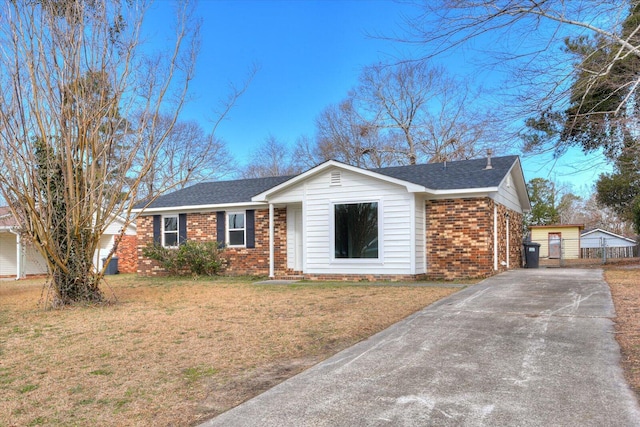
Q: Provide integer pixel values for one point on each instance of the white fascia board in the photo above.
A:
(264, 196)
(199, 208)
(462, 192)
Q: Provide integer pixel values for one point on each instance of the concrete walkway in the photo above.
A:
(525, 348)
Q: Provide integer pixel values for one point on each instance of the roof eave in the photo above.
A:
(196, 208)
(462, 191)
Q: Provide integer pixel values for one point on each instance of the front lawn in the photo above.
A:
(177, 351)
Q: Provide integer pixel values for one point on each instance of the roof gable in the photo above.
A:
(332, 164)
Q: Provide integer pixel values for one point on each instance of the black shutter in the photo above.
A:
(220, 228)
(251, 229)
(157, 230)
(182, 228)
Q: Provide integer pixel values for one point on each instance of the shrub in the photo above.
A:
(197, 258)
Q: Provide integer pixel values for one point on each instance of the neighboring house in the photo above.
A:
(336, 221)
(17, 258)
(599, 243)
(20, 259)
(557, 241)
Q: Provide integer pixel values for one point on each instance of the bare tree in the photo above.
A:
(560, 54)
(74, 76)
(271, 158)
(186, 155)
(343, 134)
(425, 114)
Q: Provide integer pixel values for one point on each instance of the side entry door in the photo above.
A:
(555, 245)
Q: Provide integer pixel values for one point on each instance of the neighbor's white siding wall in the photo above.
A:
(34, 264)
(8, 256)
(106, 243)
(395, 222)
(592, 240)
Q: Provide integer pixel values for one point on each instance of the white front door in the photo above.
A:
(294, 237)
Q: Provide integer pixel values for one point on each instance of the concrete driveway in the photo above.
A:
(524, 348)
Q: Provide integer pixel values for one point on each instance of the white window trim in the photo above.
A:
(177, 232)
(332, 236)
(229, 229)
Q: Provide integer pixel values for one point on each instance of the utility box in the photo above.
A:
(531, 255)
(112, 268)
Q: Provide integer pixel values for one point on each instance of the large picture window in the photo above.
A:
(170, 231)
(236, 229)
(356, 230)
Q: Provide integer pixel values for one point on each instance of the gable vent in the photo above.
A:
(335, 178)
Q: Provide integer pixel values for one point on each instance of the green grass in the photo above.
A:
(191, 375)
(105, 372)
(27, 388)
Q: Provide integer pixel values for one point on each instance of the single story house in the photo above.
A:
(340, 222)
(20, 259)
(557, 241)
(598, 243)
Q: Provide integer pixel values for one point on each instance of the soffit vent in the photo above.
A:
(335, 178)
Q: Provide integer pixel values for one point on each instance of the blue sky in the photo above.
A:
(309, 55)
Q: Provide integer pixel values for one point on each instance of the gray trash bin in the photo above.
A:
(112, 268)
(531, 255)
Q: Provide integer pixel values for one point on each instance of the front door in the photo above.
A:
(555, 242)
(294, 237)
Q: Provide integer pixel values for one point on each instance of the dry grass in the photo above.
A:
(624, 282)
(176, 352)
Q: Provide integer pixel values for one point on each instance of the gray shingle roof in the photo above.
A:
(455, 176)
(217, 193)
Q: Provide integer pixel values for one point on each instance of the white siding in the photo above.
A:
(8, 255)
(34, 264)
(290, 195)
(116, 225)
(597, 238)
(106, 244)
(394, 222)
(508, 195)
(421, 237)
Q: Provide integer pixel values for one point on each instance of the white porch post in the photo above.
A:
(508, 242)
(495, 237)
(271, 242)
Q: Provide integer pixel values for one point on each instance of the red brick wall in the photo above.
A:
(460, 240)
(240, 261)
(146, 267)
(127, 254)
(459, 234)
(515, 238)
